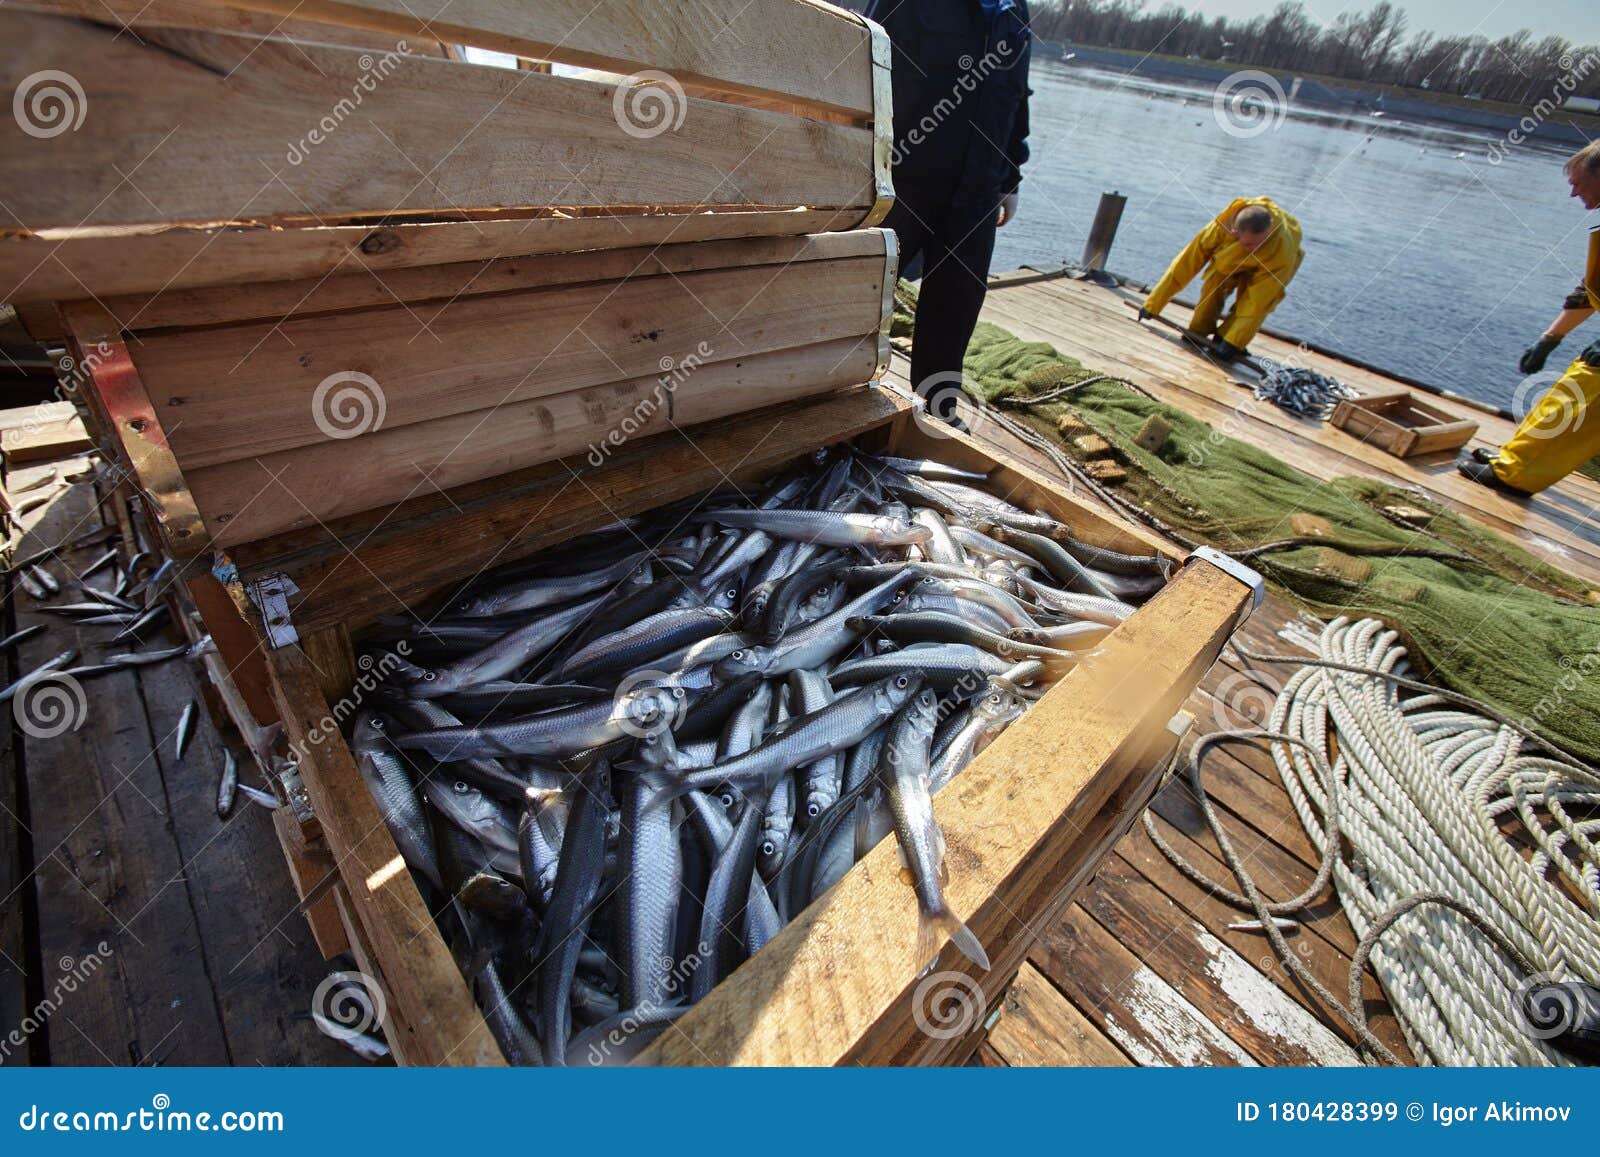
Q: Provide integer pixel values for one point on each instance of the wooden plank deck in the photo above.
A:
(1085, 321)
(110, 839)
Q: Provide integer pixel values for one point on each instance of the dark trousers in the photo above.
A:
(955, 248)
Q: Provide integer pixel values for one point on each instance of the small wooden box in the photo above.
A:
(1400, 423)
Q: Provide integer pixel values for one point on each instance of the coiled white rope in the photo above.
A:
(1409, 820)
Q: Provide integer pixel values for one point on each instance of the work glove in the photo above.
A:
(1533, 358)
(1228, 352)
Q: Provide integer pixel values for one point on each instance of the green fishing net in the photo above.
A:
(1500, 624)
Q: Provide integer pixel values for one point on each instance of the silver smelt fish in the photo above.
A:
(823, 527)
(552, 734)
(185, 729)
(394, 788)
(59, 663)
(228, 785)
(835, 728)
(514, 651)
(531, 594)
(904, 772)
(368, 1046)
(256, 796)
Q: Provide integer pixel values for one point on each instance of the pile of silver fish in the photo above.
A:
(620, 767)
(1303, 392)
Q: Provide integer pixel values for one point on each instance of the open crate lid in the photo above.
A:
(314, 291)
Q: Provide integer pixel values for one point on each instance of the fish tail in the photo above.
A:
(933, 923)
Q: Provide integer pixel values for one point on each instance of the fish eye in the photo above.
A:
(739, 654)
(901, 681)
(813, 810)
(768, 848)
(460, 788)
(376, 723)
(726, 799)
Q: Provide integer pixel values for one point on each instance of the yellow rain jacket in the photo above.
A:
(1562, 431)
(1259, 278)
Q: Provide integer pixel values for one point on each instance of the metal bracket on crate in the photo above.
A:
(882, 123)
(271, 598)
(891, 273)
(1233, 568)
(137, 428)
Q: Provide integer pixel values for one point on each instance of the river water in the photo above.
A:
(1421, 255)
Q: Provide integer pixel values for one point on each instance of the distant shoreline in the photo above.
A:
(1560, 128)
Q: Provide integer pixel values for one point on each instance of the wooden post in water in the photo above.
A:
(1107, 216)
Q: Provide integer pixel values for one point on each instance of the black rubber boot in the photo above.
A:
(1478, 465)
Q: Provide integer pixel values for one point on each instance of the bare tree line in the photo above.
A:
(1376, 46)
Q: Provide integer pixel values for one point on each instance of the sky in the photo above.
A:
(1577, 20)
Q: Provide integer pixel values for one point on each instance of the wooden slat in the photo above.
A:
(846, 965)
(1243, 1002)
(442, 1024)
(1029, 913)
(444, 284)
(212, 128)
(315, 484)
(61, 265)
(1148, 1019)
(308, 870)
(799, 52)
(44, 433)
(244, 391)
(1040, 1027)
(350, 570)
(196, 14)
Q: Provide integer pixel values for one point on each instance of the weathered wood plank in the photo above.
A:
(481, 353)
(108, 870)
(351, 571)
(58, 266)
(441, 1025)
(799, 52)
(442, 285)
(270, 129)
(1040, 1027)
(313, 485)
(1264, 1019)
(1147, 1018)
(259, 954)
(845, 966)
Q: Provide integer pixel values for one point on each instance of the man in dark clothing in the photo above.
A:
(961, 129)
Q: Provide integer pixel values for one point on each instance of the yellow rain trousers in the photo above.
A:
(1257, 279)
(1562, 431)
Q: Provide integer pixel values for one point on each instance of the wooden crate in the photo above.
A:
(1401, 423)
(510, 322)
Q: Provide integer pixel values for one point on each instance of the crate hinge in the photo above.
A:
(270, 595)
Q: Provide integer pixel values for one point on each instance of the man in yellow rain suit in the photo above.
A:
(1250, 251)
(1559, 434)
